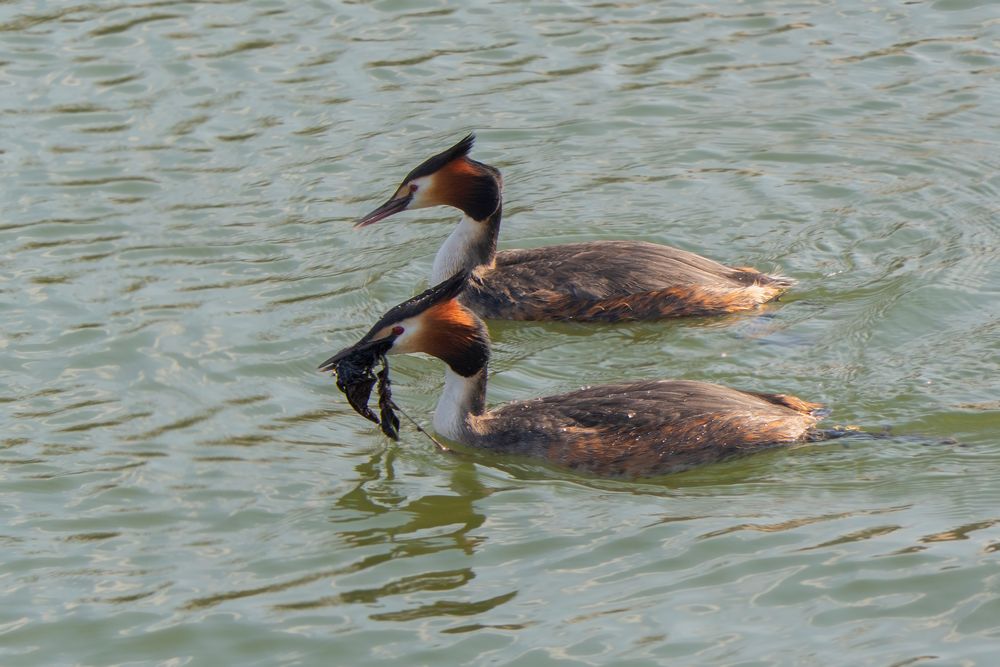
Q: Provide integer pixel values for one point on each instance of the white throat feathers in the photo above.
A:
(460, 250)
(462, 399)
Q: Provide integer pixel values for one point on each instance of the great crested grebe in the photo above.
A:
(597, 281)
(628, 429)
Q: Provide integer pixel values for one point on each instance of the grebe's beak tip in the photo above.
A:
(391, 207)
(364, 352)
(331, 363)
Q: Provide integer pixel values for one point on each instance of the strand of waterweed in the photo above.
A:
(356, 380)
(386, 406)
(390, 422)
(440, 445)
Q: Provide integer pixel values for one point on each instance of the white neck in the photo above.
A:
(457, 253)
(461, 395)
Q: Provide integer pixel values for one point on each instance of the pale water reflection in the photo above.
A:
(178, 485)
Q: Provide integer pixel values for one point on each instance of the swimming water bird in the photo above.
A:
(597, 281)
(629, 429)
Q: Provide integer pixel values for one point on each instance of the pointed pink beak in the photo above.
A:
(391, 207)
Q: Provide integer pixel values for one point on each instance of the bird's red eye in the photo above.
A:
(397, 331)
(413, 188)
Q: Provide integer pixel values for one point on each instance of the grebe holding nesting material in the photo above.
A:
(628, 429)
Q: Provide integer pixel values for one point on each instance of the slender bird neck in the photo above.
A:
(473, 243)
(462, 399)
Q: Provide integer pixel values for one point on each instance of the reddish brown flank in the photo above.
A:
(676, 446)
(793, 402)
(532, 285)
(647, 427)
(684, 301)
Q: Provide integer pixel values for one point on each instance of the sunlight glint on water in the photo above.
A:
(180, 486)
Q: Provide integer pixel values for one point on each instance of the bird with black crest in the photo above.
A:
(636, 428)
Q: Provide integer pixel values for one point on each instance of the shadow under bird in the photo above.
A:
(596, 281)
(629, 429)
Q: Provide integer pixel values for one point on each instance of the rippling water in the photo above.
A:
(179, 486)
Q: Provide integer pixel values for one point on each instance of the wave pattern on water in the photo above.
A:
(179, 485)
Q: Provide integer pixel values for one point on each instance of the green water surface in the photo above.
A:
(179, 486)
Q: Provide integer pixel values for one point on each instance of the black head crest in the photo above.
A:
(448, 289)
(353, 365)
(434, 164)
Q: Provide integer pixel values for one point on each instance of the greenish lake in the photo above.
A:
(179, 486)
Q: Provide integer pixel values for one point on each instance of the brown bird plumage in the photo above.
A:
(648, 427)
(629, 429)
(603, 281)
(636, 281)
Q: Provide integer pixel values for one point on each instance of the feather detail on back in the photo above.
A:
(635, 280)
(645, 428)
